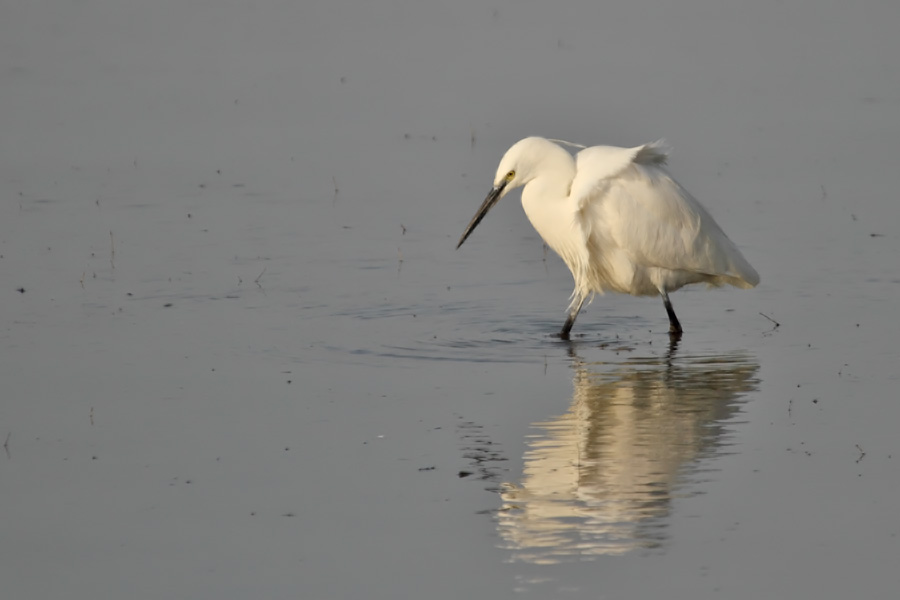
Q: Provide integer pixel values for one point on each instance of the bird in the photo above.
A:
(618, 220)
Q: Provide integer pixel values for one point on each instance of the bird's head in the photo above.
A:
(518, 167)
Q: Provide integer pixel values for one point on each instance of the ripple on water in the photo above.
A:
(464, 331)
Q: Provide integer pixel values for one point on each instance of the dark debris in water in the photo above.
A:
(483, 454)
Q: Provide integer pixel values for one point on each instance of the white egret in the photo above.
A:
(618, 220)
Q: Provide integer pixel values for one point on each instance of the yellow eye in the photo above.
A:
(510, 175)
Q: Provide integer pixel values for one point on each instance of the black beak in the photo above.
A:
(490, 201)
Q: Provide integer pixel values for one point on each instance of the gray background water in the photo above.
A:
(240, 357)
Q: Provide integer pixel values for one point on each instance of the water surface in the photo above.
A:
(241, 357)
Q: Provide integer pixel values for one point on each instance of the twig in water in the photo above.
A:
(862, 453)
(777, 324)
(6, 445)
(256, 281)
(112, 251)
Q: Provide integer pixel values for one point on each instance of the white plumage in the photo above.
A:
(618, 220)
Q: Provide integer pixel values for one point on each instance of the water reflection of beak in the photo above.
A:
(492, 198)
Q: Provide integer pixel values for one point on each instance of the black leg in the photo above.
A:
(674, 325)
(570, 320)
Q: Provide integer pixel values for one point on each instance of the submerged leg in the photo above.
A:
(674, 325)
(570, 320)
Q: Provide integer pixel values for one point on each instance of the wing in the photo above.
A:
(628, 203)
(595, 167)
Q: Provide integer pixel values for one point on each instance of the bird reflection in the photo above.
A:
(599, 479)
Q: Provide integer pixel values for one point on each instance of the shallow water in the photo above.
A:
(242, 358)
